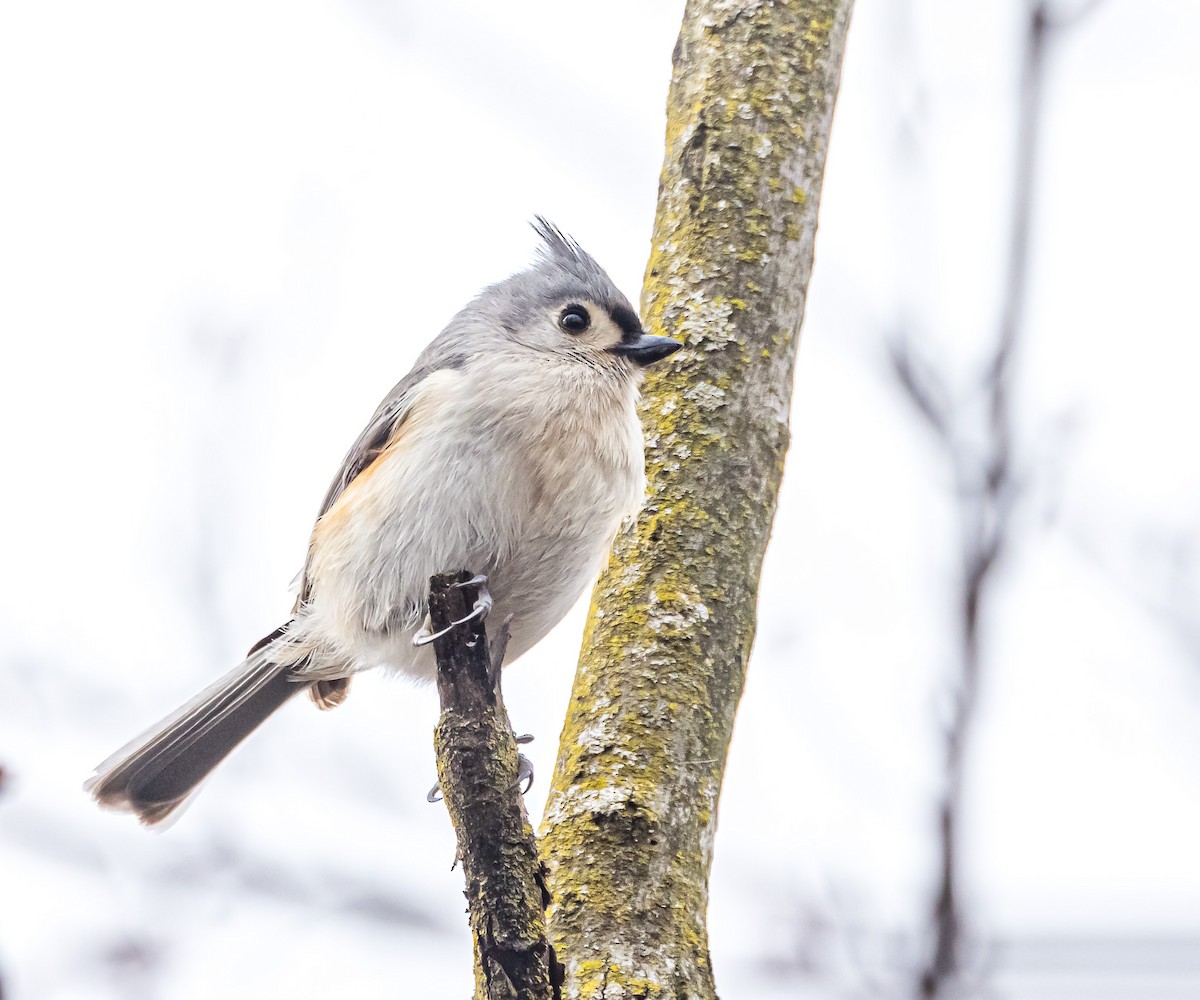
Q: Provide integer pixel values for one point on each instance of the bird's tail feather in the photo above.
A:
(154, 774)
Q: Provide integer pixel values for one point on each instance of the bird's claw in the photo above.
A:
(423, 637)
(480, 610)
(524, 771)
(483, 605)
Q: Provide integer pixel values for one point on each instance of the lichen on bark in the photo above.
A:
(629, 825)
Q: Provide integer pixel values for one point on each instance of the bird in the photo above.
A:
(513, 449)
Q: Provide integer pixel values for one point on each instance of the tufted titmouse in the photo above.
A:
(512, 449)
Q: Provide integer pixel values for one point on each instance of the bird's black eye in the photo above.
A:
(574, 319)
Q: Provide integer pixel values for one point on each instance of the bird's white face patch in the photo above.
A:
(582, 324)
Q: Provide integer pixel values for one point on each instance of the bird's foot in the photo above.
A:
(524, 771)
(524, 765)
(483, 605)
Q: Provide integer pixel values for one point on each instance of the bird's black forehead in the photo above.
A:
(627, 321)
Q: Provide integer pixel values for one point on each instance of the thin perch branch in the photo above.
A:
(478, 771)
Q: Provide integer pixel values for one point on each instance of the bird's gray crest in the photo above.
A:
(559, 248)
(562, 252)
(561, 257)
(562, 272)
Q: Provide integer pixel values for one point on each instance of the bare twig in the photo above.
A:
(478, 772)
(988, 488)
(923, 388)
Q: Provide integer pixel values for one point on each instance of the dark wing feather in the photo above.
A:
(376, 435)
(373, 439)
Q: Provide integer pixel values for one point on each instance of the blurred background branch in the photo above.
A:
(975, 431)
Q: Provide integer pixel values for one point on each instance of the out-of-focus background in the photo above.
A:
(226, 229)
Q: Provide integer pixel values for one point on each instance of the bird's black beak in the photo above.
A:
(646, 349)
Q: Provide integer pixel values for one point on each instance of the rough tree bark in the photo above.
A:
(629, 826)
(478, 774)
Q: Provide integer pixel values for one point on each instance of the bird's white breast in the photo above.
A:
(521, 471)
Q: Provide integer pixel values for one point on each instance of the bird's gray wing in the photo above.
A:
(375, 436)
(379, 431)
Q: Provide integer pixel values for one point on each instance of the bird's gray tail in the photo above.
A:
(152, 776)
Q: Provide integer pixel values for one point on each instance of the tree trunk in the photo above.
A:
(629, 826)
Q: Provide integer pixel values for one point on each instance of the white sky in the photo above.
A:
(226, 229)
